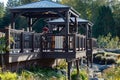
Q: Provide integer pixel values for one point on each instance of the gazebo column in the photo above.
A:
(89, 45)
(30, 23)
(13, 21)
(67, 30)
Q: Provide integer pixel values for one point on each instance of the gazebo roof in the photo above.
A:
(61, 21)
(42, 9)
(41, 4)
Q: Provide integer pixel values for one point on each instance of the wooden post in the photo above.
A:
(13, 20)
(76, 24)
(41, 44)
(7, 36)
(22, 42)
(89, 44)
(78, 43)
(30, 23)
(69, 70)
(67, 30)
(77, 66)
(33, 38)
(74, 44)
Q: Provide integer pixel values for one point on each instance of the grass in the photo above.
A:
(33, 74)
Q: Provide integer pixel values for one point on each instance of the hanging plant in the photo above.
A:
(3, 47)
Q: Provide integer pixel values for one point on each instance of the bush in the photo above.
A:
(108, 42)
(103, 58)
(82, 76)
(97, 58)
(110, 60)
(8, 75)
(112, 73)
(47, 74)
(62, 64)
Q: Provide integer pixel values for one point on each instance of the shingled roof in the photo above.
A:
(41, 4)
(42, 8)
(61, 21)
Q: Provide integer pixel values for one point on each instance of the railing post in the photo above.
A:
(41, 46)
(22, 42)
(78, 43)
(74, 44)
(33, 38)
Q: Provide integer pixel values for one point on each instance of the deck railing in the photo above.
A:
(25, 42)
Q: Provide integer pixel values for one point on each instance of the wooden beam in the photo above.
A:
(73, 13)
(60, 55)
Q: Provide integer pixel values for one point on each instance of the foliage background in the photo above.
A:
(104, 14)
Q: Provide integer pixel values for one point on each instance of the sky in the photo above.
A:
(5, 1)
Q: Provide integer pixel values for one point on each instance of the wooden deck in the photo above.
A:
(31, 46)
(37, 55)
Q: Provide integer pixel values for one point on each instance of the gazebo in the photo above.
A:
(71, 41)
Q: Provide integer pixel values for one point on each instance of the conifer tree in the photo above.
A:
(105, 23)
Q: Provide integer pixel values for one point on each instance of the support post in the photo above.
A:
(30, 23)
(89, 44)
(67, 31)
(13, 21)
(69, 70)
(77, 66)
(7, 36)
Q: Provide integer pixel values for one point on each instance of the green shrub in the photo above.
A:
(82, 76)
(8, 76)
(108, 42)
(98, 58)
(47, 74)
(62, 64)
(110, 60)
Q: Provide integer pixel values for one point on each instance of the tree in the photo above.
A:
(12, 3)
(116, 14)
(105, 22)
(1, 10)
(27, 1)
(1, 13)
